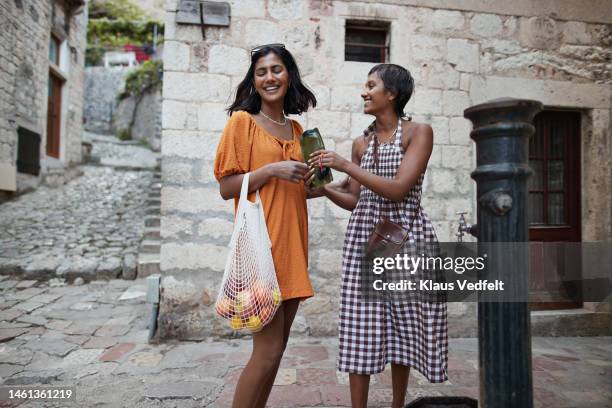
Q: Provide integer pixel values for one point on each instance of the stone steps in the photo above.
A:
(150, 246)
(152, 221)
(148, 264)
(153, 210)
(151, 233)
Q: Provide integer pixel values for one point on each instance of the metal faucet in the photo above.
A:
(464, 227)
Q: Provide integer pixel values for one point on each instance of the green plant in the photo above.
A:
(144, 143)
(143, 79)
(114, 9)
(115, 23)
(125, 134)
(93, 56)
(116, 33)
(146, 78)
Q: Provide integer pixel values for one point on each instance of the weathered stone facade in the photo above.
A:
(459, 57)
(24, 76)
(102, 85)
(105, 114)
(147, 118)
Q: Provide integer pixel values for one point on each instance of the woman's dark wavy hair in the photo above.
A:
(298, 98)
(398, 81)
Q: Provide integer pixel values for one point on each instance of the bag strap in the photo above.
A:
(397, 137)
(244, 193)
(398, 134)
(243, 201)
(262, 220)
(244, 190)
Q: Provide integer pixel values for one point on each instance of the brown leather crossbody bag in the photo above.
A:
(387, 239)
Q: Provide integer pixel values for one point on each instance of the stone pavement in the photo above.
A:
(108, 150)
(94, 337)
(87, 228)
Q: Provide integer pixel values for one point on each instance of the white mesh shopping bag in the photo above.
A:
(249, 294)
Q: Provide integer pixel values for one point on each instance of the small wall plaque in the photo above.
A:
(215, 13)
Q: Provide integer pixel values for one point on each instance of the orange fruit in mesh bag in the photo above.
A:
(265, 314)
(225, 307)
(245, 304)
(261, 293)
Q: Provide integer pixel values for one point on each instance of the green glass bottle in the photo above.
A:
(312, 141)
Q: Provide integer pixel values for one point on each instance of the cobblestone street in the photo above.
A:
(88, 228)
(94, 337)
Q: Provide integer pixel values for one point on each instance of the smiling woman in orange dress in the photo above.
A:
(259, 139)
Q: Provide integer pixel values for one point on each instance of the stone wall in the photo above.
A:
(147, 119)
(24, 72)
(76, 86)
(105, 114)
(102, 85)
(458, 58)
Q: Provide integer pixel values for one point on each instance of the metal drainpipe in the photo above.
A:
(502, 128)
(153, 284)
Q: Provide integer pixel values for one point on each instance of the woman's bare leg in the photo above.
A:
(290, 309)
(399, 381)
(360, 385)
(268, 345)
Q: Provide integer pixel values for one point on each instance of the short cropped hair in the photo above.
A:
(398, 81)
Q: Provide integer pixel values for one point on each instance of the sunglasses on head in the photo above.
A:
(261, 47)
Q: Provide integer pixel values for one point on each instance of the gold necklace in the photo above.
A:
(272, 120)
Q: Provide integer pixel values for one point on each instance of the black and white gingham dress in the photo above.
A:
(373, 334)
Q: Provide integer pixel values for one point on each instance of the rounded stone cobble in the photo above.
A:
(82, 228)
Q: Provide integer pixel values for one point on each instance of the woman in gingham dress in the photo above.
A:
(372, 334)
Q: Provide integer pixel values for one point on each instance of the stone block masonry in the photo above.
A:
(102, 87)
(24, 75)
(458, 56)
(105, 114)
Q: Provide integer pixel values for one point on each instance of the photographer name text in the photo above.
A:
(430, 285)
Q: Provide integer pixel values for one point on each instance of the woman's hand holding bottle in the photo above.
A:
(290, 170)
(328, 158)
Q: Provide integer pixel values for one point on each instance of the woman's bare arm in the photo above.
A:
(348, 196)
(413, 165)
(294, 171)
(343, 198)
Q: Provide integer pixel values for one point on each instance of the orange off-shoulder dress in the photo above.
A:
(244, 147)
